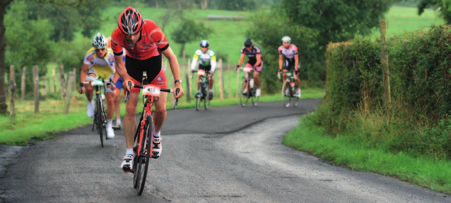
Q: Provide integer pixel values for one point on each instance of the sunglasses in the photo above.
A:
(204, 47)
(100, 49)
(286, 42)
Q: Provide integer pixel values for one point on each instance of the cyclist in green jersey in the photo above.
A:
(206, 60)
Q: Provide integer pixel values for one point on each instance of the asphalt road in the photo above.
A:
(226, 154)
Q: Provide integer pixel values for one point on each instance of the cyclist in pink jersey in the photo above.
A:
(289, 59)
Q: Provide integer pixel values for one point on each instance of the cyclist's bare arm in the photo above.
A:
(280, 62)
(121, 71)
(296, 62)
(241, 60)
(175, 69)
(83, 72)
(259, 60)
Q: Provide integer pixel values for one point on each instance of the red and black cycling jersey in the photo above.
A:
(252, 54)
(151, 42)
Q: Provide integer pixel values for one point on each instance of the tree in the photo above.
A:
(78, 6)
(30, 46)
(443, 5)
(336, 20)
(189, 30)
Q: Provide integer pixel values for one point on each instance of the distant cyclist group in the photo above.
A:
(135, 47)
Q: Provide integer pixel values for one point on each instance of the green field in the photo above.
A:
(403, 19)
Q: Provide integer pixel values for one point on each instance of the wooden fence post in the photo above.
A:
(36, 88)
(221, 80)
(47, 85)
(75, 80)
(229, 80)
(384, 62)
(70, 83)
(12, 87)
(54, 81)
(44, 79)
(24, 78)
(62, 83)
(188, 88)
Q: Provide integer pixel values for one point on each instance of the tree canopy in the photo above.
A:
(189, 30)
(443, 5)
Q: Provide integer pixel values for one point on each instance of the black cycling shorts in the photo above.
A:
(205, 68)
(288, 64)
(136, 67)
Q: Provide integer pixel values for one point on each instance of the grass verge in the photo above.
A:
(30, 128)
(424, 171)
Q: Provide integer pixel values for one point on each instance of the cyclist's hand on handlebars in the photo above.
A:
(178, 85)
(278, 74)
(237, 66)
(81, 90)
(127, 83)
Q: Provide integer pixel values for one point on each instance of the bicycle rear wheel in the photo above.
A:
(99, 119)
(286, 99)
(144, 156)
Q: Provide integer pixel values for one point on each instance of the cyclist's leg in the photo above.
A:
(257, 71)
(89, 92)
(159, 114)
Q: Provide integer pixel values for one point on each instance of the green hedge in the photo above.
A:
(417, 121)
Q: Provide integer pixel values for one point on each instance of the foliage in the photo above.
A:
(336, 20)
(444, 5)
(189, 30)
(236, 4)
(72, 53)
(69, 16)
(417, 121)
(28, 42)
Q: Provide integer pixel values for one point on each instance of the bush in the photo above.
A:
(417, 121)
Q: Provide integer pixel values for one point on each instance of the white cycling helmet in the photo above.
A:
(286, 39)
(99, 41)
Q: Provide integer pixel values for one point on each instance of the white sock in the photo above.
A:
(109, 122)
(129, 151)
(118, 121)
(156, 134)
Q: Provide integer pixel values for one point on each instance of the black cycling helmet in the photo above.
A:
(248, 42)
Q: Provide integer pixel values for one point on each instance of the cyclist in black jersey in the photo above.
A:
(254, 61)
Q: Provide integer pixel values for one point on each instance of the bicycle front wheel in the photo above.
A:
(286, 99)
(99, 119)
(244, 97)
(207, 100)
(144, 156)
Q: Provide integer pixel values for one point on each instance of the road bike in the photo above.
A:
(288, 91)
(143, 137)
(204, 93)
(99, 120)
(248, 89)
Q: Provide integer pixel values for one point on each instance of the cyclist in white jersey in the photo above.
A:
(206, 60)
(288, 60)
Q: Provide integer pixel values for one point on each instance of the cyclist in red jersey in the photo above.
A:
(144, 42)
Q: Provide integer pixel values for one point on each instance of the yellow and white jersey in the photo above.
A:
(103, 67)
